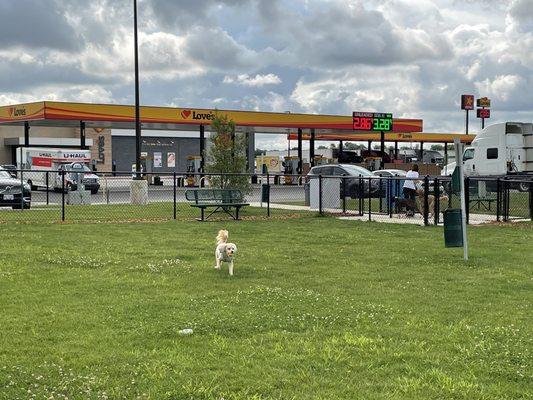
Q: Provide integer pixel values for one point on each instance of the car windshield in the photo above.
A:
(5, 174)
(468, 154)
(355, 170)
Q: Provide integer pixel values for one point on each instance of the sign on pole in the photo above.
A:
(467, 104)
(483, 102)
(484, 111)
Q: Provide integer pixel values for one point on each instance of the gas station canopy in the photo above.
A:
(61, 114)
(389, 137)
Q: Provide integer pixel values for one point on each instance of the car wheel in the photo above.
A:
(524, 186)
(94, 191)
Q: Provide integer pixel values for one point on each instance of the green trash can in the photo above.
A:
(265, 193)
(453, 228)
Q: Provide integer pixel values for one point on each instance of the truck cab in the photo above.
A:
(500, 149)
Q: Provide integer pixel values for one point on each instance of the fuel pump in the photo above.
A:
(320, 160)
(194, 165)
(290, 167)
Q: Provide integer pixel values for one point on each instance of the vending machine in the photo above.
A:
(290, 167)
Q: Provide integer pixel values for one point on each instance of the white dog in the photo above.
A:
(224, 251)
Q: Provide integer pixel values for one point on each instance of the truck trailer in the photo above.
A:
(48, 167)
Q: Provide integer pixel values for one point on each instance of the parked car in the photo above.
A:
(12, 193)
(11, 169)
(352, 184)
(390, 172)
(90, 180)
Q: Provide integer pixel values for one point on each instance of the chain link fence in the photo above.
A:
(67, 195)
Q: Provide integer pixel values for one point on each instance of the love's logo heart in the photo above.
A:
(186, 114)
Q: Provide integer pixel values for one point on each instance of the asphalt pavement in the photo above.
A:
(117, 191)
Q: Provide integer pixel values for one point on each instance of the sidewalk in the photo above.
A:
(475, 219)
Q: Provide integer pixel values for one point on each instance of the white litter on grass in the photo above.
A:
(187, 331)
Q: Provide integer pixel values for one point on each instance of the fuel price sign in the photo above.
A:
(367, 121)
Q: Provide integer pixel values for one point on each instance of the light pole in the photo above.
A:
(137, 108)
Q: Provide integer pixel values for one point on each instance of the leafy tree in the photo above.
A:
(437, 147)
(227, 154)
(352, 146)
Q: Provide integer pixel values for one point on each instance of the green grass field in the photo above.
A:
(128, 212)
(318, 309)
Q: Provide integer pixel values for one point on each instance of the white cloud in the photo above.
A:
(410, 57)
(501, 87)
(253, 81)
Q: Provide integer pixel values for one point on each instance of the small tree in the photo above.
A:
(227, 154)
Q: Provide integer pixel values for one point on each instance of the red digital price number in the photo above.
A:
(363, 123)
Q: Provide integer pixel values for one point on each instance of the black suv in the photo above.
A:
(357, 182)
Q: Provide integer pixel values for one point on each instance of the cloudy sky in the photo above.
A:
(410, 57)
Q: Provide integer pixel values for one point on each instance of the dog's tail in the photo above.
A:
(222, 236)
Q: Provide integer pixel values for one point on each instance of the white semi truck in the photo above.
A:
(41, 167)
(503, 149)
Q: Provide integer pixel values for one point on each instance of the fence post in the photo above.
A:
(62, 196)
(389, 196)
(467, 199)
(426, 200)
(504, 202)
(343, 195)
(531, 200)
(268, 199)
(361, 196)
(369, 199)
(380, 195)
(22, 190)
(47, 188)
(436, 201)
(498, 199)
(320, 194)
(507, 200)
(174, 181)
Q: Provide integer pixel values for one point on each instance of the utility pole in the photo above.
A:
(137, 107)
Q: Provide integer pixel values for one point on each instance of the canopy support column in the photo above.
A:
(300, 159)
(82, 136)
(202, 147)
(382, 147)
(312, 148)
(26, 134)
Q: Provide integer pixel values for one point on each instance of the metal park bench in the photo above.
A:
(219, 199)
(482, 202)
